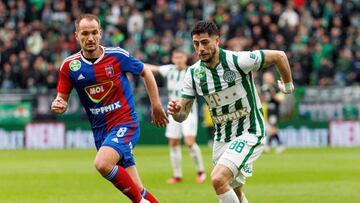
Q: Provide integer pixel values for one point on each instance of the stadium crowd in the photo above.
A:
(321, 38)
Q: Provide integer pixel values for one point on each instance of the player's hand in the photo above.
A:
(159, 116)
(59, 105)
(286, 88)
(173, 107)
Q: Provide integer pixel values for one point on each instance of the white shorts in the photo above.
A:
(188, 127)
(239, 156)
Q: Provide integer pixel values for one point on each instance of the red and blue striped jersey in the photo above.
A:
(103, 87)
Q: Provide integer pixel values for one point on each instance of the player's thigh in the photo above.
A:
(189, 126)
(123, 139)
(173, 129)
(240, 154)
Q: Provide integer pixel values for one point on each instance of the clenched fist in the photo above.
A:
(59, 105)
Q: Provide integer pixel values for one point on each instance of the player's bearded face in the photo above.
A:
(205, 46)
(88, 35)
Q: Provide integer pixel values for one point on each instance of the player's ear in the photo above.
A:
(76, 36)
(217, 39)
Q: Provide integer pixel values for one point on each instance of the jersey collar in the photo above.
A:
(99, 59)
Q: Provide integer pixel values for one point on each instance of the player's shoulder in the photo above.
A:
(243, 52)
(194, 66)
(226, 51)
(116, 51)
(69, 59)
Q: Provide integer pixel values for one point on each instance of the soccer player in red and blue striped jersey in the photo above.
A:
(98, 74)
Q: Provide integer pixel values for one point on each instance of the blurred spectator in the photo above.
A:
(354, 76)
(7, 77)
(289, 18)
(326, 73)
(343, 67)
(309, 31)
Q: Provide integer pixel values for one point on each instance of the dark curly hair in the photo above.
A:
(208, 27)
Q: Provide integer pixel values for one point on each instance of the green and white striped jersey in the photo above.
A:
(230, 93)
(174, 82)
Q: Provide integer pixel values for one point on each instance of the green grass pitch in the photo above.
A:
(68, 176)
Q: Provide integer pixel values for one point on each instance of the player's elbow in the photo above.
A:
(274, 57)
(145, 72)
(278, 56)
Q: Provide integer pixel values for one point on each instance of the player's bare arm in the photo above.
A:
(59, 105)
(280, 60)
(153, 68)
(158, 114)
(180, 111)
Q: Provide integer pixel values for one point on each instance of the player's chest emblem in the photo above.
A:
(98, 92)
(229, 76)
(109, 70)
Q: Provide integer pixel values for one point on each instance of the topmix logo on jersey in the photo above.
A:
(98, 92)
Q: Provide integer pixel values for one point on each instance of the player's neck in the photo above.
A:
(215, 60)
(93, 54)
(181, 67)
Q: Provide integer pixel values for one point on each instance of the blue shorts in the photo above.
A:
(123, 139)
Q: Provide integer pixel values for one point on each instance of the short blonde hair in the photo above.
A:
(86, 16)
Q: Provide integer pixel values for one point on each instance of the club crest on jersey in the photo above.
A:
(109, 70)
(75, 65)
(229, 76)
(199, 73)
(98, 92)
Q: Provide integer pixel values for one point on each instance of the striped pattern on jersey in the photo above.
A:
(174, 80)
(232, 73)
(103, 87)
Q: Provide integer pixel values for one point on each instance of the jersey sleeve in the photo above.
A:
(164, 70)
(131, 64)
(187, 90)
(64, 85)
(250, 60)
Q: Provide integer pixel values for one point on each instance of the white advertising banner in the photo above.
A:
(344, 133)
(304, 137)
(49, 135)
(80, 139)
(11, 139)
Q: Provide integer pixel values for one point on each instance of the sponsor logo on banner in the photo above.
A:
(11, 139)
(304, 136)
(345, 133)
(99, 91)
(16, 113)
(45, 135)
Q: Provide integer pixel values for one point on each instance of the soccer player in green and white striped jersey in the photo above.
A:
(174, 74)
(224, 78)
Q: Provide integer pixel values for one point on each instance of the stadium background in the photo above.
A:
(321, 39)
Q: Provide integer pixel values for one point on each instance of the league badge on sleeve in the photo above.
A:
(109, 70)
(75, 65)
